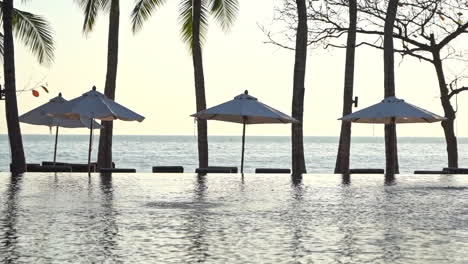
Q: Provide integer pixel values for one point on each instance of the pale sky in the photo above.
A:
(155, 76)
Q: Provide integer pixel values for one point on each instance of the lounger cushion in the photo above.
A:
(49, 169)
(367, 171)
(272, 170)
(168, 169)
(117, 170)
(456, 170)
(430, 172)
(213, 170)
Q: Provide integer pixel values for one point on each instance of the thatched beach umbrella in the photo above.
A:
(95, 105)
(39, 116)
(392, 111)
(246, 110)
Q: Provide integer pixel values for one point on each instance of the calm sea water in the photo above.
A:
(157, 218)
(143, 152)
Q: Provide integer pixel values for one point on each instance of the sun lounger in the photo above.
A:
(51, 163)
(430, 172)
(233, 169)
(456, 170)
(95, 164)
(272, 170)
(49, 169)
(366, 171)
(213, 170)
(168, 169)
(29, 166)
(117, 170)
(76, 167)
(79, 167)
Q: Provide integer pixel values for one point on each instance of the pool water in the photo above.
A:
(184, 218)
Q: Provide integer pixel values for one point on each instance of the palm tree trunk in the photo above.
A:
(298, 162)
(389, 86)
(449, 112)
(18, 160)
(105, 138)
(342, 159)
(199, 85)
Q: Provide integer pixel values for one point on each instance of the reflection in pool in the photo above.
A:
(149, 218)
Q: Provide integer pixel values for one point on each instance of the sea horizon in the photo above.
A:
(229, 135)
(142, 152)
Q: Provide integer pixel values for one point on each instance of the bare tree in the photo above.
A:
(298, 162)
(344, 146)
(389, 87)
(426, 30)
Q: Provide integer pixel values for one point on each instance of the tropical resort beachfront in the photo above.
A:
(227, 131)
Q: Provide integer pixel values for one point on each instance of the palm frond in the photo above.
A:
(90, 9)
(142, 12)
(224, 12)
(35, 32)
(186, 21)
(106, 4)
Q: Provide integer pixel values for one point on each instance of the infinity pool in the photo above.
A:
(149, 218)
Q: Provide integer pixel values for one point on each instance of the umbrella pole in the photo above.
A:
(90, 145)
(243, 147)
(55, 147)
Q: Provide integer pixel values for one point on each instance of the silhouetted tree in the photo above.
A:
(35, 33)
(425, 30)
(193, 16)
(298, 162)
(91, 9)
(344, 146)
(389, 87)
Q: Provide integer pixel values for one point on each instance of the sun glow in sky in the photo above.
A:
(155, 76)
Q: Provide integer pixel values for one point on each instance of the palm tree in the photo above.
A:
(193, 17)
(342, 159)
(35, 33)
(91, 9)
(389, 86)
(298, 162)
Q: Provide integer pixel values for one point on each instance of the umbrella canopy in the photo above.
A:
(94, 104)
(39, 116)
(392, 110)
(245, 109)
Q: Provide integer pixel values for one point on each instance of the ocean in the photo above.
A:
(143, 152)
(160, 218)
(186, 218)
